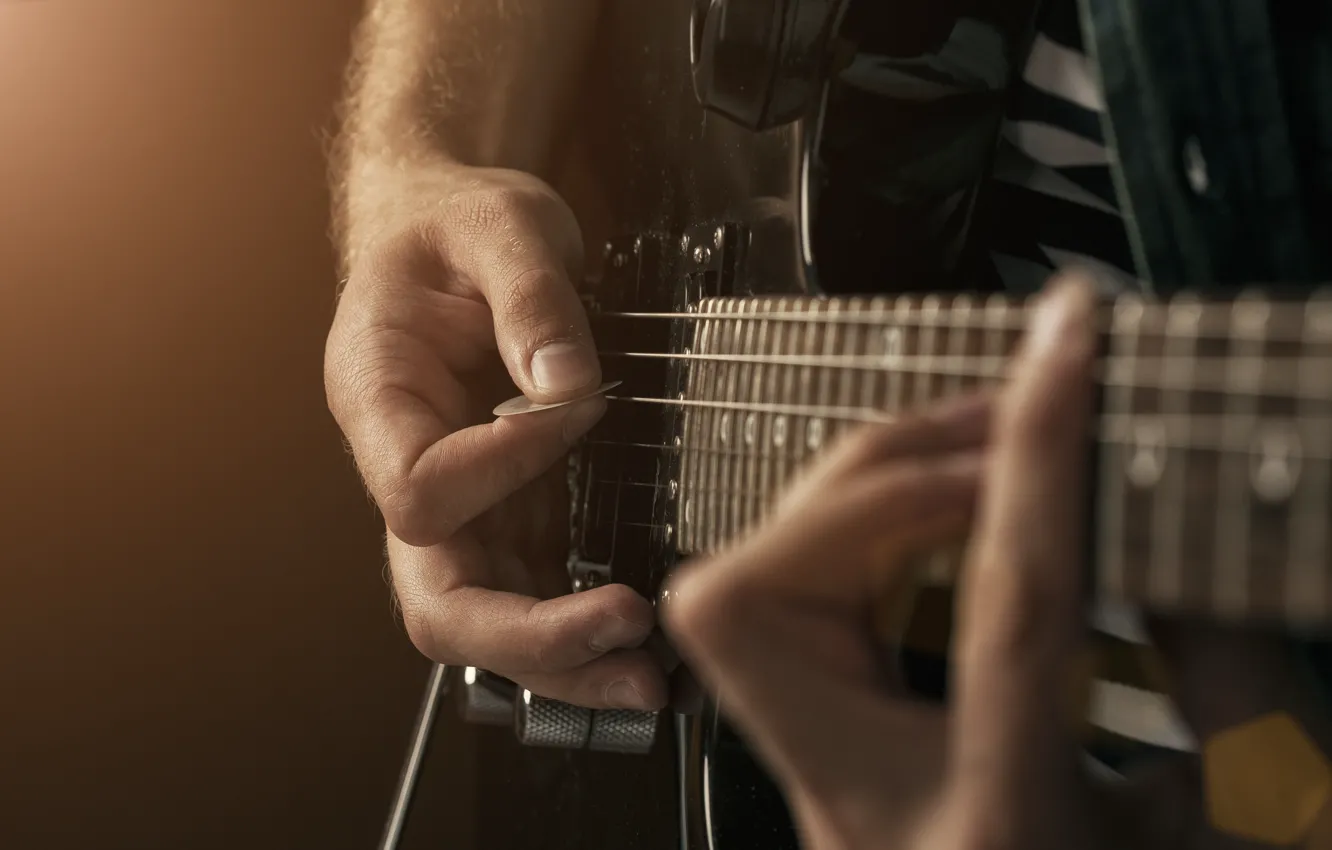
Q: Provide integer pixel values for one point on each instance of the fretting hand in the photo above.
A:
(780, 628)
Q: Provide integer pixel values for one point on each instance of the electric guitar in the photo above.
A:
(731, 302)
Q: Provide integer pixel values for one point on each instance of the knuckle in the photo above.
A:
(540, 642)
(419, 624)
(350, 370)
(496, 207)
(526, 302)
(621, 600)
(409, 513)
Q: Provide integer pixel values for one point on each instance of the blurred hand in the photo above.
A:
(780, 628)
(464, 292)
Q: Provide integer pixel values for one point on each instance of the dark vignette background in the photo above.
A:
(196, 647)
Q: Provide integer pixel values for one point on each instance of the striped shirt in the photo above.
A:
(1050, 203)
(1053, 196)
(1054, 205)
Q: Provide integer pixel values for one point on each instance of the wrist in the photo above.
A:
(373, 192)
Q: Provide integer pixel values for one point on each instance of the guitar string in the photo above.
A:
(940, 364)
(1279, 375)
(1110, 428)
(1203, 324)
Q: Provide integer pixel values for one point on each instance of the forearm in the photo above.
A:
(437, 83)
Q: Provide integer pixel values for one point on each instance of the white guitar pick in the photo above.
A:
(522, 404)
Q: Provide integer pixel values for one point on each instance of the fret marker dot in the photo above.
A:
(751, 429)
(724, 428)
(689, 510)
(814, 434)
(779, 431)
(1149, 454)
(1275, 471)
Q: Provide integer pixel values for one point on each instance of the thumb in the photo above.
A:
(525, 268)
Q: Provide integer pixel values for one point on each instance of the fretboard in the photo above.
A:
(1215, 430)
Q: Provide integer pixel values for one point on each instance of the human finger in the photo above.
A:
(428, 482)
(1020, 604)
(520, 247)
(958, 425)
(881, 492)
(756, 618)
(410, 421)
(453, 619)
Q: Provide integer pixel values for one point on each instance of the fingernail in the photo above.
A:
(582, 416)
(623, 694)
(563, 367)
(1059, 314)
(616, 633)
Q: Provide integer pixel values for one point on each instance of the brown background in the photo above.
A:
(196, 646)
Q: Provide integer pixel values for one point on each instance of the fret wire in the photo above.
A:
(850, 383)
(808, 337)
(1165, 583)
(776, 378)
(1280, 378)
(923, 391)
(749, 431)
(781, 424)
(1307, 593)
(1249, 319)
(739, 387)
(898, 377)
(716, 379)
(689, 507)
(869, 378)
(958, 338)
(708, 529)
(1112, 428)
(693, 508)
(817, 430)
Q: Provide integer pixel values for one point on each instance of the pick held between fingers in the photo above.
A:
(525, 269)
(460, 475)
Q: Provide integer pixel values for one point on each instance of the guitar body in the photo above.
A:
(679, 204)
(646, 160)
(721, 260)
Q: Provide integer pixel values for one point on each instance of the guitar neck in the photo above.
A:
(1213, 440)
